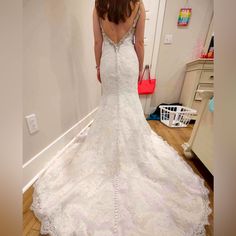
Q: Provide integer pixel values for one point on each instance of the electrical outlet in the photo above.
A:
(168, 39)
(32, 123)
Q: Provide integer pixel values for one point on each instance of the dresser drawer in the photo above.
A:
(203, 86)
(207, 77)
(196, 106)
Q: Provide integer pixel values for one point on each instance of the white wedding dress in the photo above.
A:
(121, 178)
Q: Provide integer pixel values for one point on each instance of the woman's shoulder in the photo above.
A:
(136, 4)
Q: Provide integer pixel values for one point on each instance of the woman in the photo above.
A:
(118, 29)
(122, 179)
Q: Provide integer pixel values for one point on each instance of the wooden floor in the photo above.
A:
(175, 137)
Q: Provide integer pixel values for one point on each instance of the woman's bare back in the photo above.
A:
(116, 32)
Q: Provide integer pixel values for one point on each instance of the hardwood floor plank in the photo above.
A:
(33, 233)
(29, 224)
(36, 226)
(27, 203)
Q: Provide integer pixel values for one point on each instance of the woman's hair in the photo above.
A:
(116, 10)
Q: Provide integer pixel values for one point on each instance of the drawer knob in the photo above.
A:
(212, 77)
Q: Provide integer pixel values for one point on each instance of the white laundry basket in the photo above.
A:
(176, 116)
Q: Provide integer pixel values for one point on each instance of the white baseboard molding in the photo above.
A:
(36, 165)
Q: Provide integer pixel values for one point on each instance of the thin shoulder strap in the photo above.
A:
(100, 23)
(137, 14)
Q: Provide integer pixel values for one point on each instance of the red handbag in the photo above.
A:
(146, 86)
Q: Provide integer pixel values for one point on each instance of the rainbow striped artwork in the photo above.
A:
(184, 16)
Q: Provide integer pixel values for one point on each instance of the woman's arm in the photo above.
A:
(98, 39)
(139, 37)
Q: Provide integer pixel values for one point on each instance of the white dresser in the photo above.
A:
(199, 75)
(201, 140)
(198, 88)
(202, 144)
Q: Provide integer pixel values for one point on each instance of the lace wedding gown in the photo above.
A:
(121, 179)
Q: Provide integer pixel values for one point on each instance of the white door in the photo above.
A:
(154, 18)
(151, 7)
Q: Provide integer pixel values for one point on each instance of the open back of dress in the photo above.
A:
(123, 28)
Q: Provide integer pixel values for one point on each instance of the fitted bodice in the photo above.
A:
(119, 63)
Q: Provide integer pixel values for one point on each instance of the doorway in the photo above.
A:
(155, 10)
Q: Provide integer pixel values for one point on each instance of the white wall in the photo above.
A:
(60, 84)
(187, 44)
